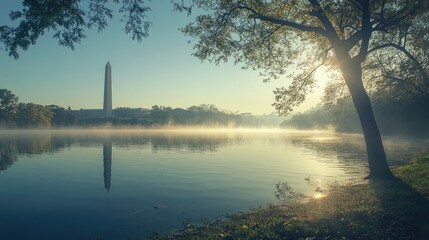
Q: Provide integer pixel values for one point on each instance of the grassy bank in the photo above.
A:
(365, 210)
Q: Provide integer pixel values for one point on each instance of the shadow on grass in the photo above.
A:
(404, 212)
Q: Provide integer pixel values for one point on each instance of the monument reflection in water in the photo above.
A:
(107, 164)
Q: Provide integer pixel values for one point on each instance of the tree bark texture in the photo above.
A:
(352, 73)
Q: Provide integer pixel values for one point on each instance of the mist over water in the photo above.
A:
(118, 183)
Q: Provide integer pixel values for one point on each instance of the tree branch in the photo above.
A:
(409, 83)
(384, 24)
(365, 33)
(320, 14)
(406, 52)
(283, 22)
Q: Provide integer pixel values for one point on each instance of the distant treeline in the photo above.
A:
(17, 114)
(393, 116)
(161, 116)
(204, 114)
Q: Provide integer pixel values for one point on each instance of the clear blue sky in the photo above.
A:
(158, 71)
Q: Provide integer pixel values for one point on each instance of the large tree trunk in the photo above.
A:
(379, 169)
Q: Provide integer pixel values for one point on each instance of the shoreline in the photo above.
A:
(397, 209)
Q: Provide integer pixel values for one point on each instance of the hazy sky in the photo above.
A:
(158, 71)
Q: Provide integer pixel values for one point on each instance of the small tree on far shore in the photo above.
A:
(8, 105)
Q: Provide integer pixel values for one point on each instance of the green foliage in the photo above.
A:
(33, 115)
(61, 116)
(394, 116)
(161, 114)
(296, 37)
(68, 19)
(397, 81)
(417, 173)
(401, 72)
(316, 118)
(201, 115)
(8, 105)
(13, 113)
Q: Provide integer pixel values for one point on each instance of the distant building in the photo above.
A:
(88, 113)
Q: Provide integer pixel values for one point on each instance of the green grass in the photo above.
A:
(367, 210)
(416, 174)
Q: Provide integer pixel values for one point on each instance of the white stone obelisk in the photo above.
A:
(107, 105)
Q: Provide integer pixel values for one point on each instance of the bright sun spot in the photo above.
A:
(319, 195)
(321, 77)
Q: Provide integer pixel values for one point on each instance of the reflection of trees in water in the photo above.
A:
(191, 142)
(349, 149)
(8, 154)
(161, 141)
(348, 152)
(165, 141)
(13, 145)
(345, 148)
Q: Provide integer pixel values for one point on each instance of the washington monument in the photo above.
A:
(107, 105)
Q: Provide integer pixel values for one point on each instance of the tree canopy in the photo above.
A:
(18, 114)
(8, 104)
(296, 37)
(68, 20)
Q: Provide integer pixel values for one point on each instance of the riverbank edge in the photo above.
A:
(397, 209)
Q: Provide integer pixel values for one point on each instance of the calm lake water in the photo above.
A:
(120, 184)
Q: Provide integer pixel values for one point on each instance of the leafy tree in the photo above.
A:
(315, 118)
(397, 80)
(394, 116)
(403, 72)
(211, 108)
(61, 116)
(68, 20)
(277, 36)
(204, 114)
(8, 104)
(33, 115)
(161, 114)
(400, 73)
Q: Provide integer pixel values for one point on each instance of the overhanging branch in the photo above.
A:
(403, 50)
(284, 22)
